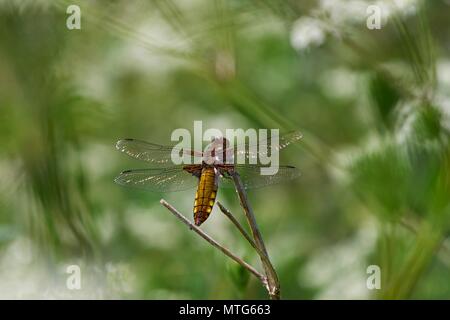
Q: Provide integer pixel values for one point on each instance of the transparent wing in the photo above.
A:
(156, 154)
(252, 178)
(158, 180)
(251, 151)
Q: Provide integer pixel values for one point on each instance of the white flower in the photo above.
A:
(307, 32)
(405, 7)
(344, 11)
(396, 7)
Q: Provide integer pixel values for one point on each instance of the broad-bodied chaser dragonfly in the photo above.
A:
(214, 167)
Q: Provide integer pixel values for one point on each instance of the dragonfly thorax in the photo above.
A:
(218, 152)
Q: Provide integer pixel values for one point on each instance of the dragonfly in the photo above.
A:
(213, 167)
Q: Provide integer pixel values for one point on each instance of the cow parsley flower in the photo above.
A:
(307, 32)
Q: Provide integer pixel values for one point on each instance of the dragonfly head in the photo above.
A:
(218, 151)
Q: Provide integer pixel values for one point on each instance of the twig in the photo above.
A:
(241, 229)
(272, 277)
(213, 242)
(262, 255)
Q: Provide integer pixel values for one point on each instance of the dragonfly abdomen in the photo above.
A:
(205, 196)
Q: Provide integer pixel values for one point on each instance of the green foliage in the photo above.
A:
(385, 97)
(239, 276)
(373, 106)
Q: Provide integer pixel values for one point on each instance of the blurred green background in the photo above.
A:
(373, 105)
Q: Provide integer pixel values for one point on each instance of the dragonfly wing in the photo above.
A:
(156, 154)
(159, 180)
(253, 150)
(252, 178)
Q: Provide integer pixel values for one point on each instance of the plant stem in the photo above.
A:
(241, 229)
(428, 241)
(213, 242)
(443, 250)
(273, 284)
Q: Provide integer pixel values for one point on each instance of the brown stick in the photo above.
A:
(213, 242)
(236, 223)
(241, 229)
(273, 284)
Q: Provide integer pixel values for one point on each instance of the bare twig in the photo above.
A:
(270, 279)
(263, 256)
(241, 229)
(273, 284)
(213, 242)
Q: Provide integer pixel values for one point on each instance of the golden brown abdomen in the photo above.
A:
(205, 195)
